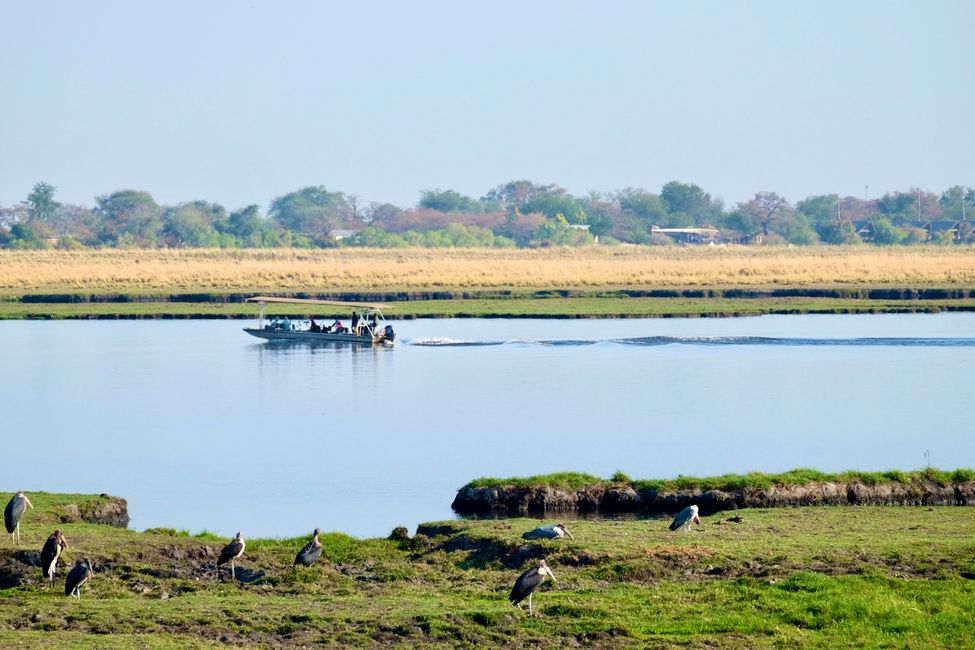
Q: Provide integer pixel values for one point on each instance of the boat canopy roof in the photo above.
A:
(308, 301)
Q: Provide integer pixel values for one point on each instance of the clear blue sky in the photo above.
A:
(240, 102)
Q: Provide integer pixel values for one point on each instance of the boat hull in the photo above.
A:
(314, 337)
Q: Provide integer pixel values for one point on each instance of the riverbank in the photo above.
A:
(572, 492)
(803, 577)
(595, 282)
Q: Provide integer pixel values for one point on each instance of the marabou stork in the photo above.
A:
(684, 518)
(528, 582)
(13, 512)
(308, 555)
(51, 552)
(79, 575)
(552, 531)
(231, 552)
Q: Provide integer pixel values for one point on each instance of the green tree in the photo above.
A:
(885, 233)
(552, 204)
(558, 232)
(645, 206)
(904, 205)
(41, 204)
(692, 201)
(448, 201)
(821, 213)
(127, 218)
(189, 225)
(24, 236)
(513, 195)
(794, 228)
(843, 232)
(958, 202)
(249, 229)
(311, 211)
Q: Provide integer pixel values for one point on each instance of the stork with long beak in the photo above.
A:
(528, 582)
(310, 553)
(51, 553)
(231, 552)
(684, 519)
(13, 512)
(552, 531)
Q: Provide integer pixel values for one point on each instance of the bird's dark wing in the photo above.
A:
(309, 554)
(76, 576)
(230, 551)
(680, 519)
(12, 513)
(526, 583)
(49, 553)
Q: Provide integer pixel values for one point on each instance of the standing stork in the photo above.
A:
(13, 512)
(552, 531)
(231, 552)
(527, 583)
(79, 575)
(684, 518)
(51, 552)
(308, 555)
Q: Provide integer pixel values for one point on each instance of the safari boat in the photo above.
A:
(367, 326)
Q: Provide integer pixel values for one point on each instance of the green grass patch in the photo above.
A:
(729, 482)
(798, 577)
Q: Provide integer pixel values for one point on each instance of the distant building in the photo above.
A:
(933, 229)
(339, 234)
(688, 235)
(864, 230)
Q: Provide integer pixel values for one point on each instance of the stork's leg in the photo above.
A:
(530, 612)
(233, 576)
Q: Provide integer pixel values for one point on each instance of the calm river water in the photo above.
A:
(201, 426)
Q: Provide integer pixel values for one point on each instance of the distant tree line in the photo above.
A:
(518, 213)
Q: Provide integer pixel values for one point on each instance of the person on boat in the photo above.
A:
(314, 326)
(286, 324)
(338, 327)
(355, 323)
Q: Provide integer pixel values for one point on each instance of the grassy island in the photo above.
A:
(809, 577)
(731, 482)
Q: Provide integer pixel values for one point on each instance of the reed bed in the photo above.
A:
(148, 271)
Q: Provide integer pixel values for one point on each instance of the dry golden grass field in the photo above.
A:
(148, 271)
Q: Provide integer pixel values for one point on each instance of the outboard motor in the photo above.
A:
(389, 334)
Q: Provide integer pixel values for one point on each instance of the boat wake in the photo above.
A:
(711, 341)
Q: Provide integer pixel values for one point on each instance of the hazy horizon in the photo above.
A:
(239, 103)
